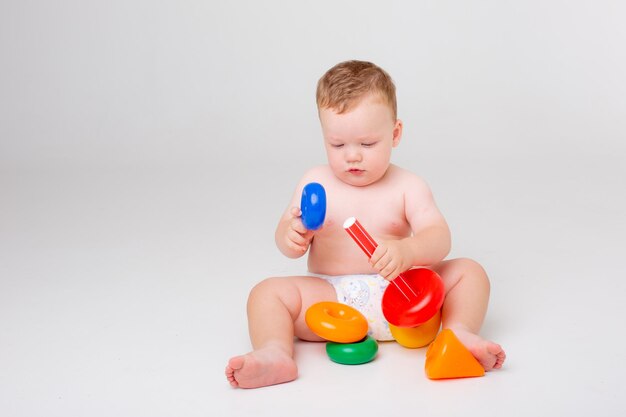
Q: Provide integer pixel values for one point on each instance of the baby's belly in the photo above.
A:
(338, 260)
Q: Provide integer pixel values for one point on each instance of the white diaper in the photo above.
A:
(364, 293)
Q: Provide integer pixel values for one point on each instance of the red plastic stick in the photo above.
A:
(369, 245)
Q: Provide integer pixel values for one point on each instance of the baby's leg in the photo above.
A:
(276, 308)
(467, 295)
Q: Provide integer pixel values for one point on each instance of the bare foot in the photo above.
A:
(260, 368)
(489, 354)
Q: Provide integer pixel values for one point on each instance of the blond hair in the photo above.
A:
(344, 85)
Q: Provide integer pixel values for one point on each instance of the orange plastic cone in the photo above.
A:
(448, 358)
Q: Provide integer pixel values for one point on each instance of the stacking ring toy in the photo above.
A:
(352, 353)
(313, 205)
(416, 300)
(336, 322)
(413, 297)
(415, 337)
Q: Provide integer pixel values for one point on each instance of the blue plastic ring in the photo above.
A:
(313, 205)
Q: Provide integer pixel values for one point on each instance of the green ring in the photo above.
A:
(352, 353)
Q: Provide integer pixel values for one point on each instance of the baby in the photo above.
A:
(358, 114)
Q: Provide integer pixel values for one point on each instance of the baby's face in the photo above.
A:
(359, 142)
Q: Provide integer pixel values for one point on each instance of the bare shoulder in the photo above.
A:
(321, 174)
(412, 183)
(419, 205)
(318, 173)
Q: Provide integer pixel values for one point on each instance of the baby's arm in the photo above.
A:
(429, 243)
(292, 237)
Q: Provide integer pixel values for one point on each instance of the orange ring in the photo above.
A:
(336, 322)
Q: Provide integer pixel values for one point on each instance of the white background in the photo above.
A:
(147, 149)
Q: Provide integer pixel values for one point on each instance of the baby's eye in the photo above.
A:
(337, 145)
(368, 144)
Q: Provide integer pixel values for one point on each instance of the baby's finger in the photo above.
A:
(385, 267)
(298, 226)
(295, 211)
(296, 247)
(381, 265)
(392, 274)
(308, 236)
(296, 238)
(378, 255)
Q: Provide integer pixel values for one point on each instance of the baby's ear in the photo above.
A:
(397, 132)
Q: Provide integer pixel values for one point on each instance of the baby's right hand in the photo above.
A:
(298, 236)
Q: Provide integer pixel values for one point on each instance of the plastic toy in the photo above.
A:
(415, 337)
(416, 301)
(336, 322)
(313, 205)
(415, 295)
(352, 353)
(446, 357)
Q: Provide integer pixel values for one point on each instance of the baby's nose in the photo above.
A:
(353, 155)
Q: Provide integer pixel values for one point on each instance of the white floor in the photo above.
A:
(123, 293)
(147, 149)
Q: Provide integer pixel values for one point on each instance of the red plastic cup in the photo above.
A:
(413, 297)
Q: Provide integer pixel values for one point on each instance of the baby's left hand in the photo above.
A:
(391, 258)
